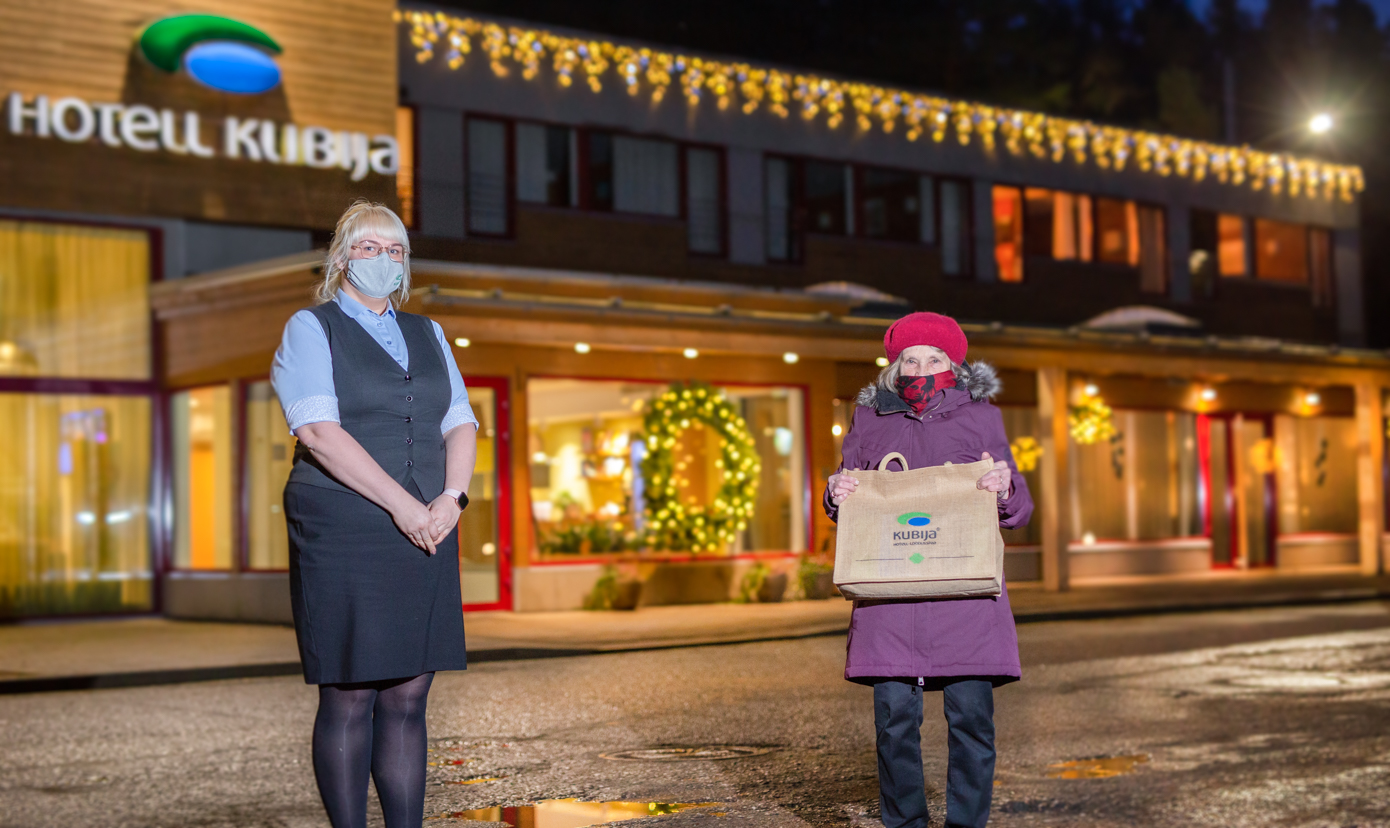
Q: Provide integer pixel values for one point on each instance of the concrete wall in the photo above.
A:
(1117, 560)
(564, 586)
(228, 596)
(1317, 551)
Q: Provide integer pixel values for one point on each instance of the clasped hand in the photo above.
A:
(427, 526)
(997, 480)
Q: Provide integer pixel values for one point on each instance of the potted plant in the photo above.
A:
(817, 579)
(614, 590)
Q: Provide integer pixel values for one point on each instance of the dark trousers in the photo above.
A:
(969, 706)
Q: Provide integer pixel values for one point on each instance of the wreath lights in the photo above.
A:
(1027, 452)
(672, 524)
(1091, 421)
(752, 87)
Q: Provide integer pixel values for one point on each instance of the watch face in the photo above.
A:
(463, 501)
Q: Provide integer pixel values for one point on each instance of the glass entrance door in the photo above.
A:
(485, 528)
(1237, 456)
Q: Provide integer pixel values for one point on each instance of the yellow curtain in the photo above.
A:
(74, 500)
(74, 301)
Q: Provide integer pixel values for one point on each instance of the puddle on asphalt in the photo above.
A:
(571, 813)
(1101, 767)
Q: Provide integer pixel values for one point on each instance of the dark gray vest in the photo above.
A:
(396, 415)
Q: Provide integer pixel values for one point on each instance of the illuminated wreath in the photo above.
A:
(671, 525)
(1091, 421)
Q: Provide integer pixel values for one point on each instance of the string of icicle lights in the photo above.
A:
(750, 88)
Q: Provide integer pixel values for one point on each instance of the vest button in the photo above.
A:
(410, 462)
(409, 440)
(407, 378)
(409, 398)
(407, 419)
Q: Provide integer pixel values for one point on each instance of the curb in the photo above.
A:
(150, 678)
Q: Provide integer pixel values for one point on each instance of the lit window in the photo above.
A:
(1008, 233)
(591, 478)
(1057, 225)
(1281, 252)
(269, 457)
(1230, 245)
(202, 442)
(1117, 232)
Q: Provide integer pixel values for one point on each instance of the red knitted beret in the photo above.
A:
(926, 329)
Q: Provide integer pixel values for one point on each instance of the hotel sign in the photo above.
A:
(251, 111)
(143, 128)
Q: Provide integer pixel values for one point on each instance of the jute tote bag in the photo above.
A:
(919, 533)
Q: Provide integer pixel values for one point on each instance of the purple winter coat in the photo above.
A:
(952, 637)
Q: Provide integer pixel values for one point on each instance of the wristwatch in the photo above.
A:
(459, 496)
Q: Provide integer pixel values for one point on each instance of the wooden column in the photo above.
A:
(1051, 500)
(1370, 485)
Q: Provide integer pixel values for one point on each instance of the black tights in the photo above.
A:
(375, 728)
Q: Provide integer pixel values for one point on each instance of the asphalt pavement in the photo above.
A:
(1243, 718)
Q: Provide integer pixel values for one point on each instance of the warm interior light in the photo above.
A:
(1312, 398)
(1208, 394)
(791, 357)
(1320, 123)
(1091, 389)
(463, 342)
(581, 348)
(690, 353)
(836, 430)
(881, 362)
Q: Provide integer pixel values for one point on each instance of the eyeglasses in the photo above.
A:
(371, 251)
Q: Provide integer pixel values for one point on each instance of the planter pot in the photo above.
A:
(626, 594)
(773, 588)
(821, 586)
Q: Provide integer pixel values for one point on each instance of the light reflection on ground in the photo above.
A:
(570, 813)
(1101, 767)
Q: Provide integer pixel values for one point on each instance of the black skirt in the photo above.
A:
(368, 604)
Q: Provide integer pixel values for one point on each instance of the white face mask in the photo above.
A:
(378, 277)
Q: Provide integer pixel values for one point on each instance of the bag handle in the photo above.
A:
(883, 464)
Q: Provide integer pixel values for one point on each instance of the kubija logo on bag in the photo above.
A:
(915, 536)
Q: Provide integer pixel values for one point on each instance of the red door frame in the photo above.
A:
(1271, 490)
(501, 389)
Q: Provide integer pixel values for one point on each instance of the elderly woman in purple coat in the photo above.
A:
(933, 407)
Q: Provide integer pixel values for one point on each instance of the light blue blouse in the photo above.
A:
(302, 373)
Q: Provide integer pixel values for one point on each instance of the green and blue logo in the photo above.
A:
(914, 519)
(218, 52)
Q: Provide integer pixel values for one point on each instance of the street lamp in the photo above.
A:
(1320, 124)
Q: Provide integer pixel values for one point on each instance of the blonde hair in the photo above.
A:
(359, 221)
(888, 377)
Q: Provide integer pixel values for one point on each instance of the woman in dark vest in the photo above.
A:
(386, 444)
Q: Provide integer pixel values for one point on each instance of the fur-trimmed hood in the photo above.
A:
(978, 378)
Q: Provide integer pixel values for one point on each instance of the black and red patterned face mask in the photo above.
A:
(917, 391)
